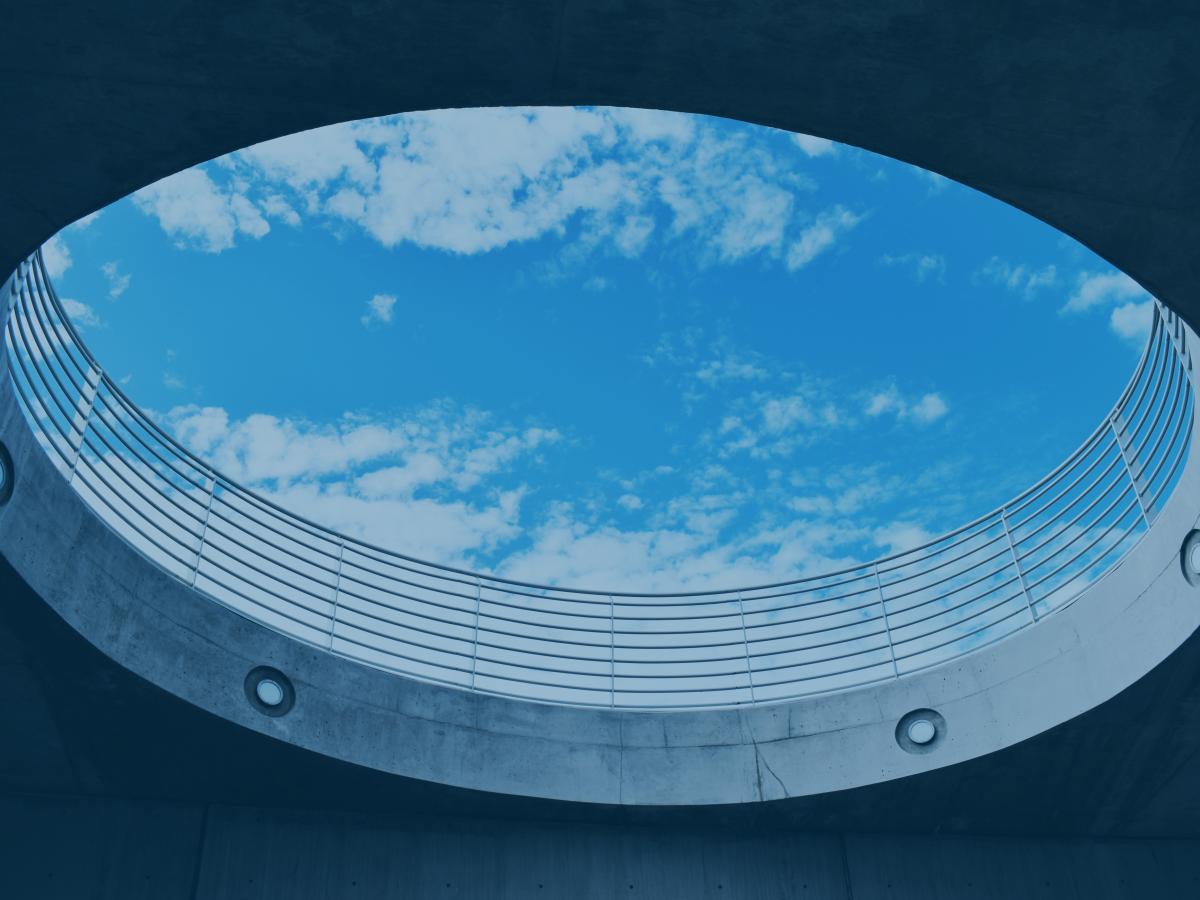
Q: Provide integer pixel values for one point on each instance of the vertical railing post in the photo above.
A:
(211, 489)
(612, 652)
(746, 644)
(887, 628)
(83, 416)
(1172, 325)
(337, 592)
(475, 636)
(1123, 450)
(1012, 548)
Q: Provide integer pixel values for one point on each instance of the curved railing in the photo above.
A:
(876, 621)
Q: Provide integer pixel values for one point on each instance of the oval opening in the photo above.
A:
(620, 349)
(701, 395)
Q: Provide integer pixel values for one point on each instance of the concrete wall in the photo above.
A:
(78, 848)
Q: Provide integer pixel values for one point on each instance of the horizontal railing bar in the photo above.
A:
(494, 579)
(394, 607)
(962, 637)
(1128, 508)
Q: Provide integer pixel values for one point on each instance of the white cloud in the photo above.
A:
(1094, 289)
(1130, 314)
(729, 368)
(118, 283)
(1023, 279)
(307, 161)
(897, 537)
(766, 425)
(645, 126)
(80, 313)
(937, 183)
(445, 483)
(921, 265)
(261, 448)
(1132, 321)
(278, 208)
(633, 234)
(191, 207)
(820, 236)
(248, 217)
(685, 551)
(472, 181)
(86, 221)
(929, 408)
(379, 310)
(814, 146)
(924, 410)
(57, 256)
(425, 484)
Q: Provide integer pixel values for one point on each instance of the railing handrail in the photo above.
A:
(333, 536)
(954, 576)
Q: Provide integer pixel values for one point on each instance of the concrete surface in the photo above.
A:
(158, 627)
(130, 850)
(1081, 113)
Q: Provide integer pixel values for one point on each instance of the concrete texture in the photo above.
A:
(128, 850)
(1083, 114)
(158, 627)
(77, 723)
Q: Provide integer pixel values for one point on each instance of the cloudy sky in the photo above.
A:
(603, 347)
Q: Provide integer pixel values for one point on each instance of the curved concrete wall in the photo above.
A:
(161, 629)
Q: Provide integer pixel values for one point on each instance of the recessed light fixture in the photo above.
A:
(270, 691)
(920, 731)
(1189, 557)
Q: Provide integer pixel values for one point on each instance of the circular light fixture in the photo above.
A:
(7, 475)
(920, 731)
(270, 691)
(1189, 557)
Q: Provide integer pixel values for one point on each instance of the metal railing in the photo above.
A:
(876, 621)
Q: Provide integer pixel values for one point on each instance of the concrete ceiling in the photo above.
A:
(1082, 113)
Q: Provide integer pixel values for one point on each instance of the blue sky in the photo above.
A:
(599, 347)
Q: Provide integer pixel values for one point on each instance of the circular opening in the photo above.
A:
(633, 383)
(922, 731)
(269, 692)
(1194, 558)
(725, 424)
